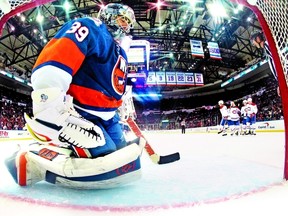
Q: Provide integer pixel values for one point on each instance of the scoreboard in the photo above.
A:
(174, 78)
(139, 55)
(138, 65)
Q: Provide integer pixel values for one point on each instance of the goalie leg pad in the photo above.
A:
(24, 171)
(33, 166)
(123, 175)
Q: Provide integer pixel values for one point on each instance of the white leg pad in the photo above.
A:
(81, 167)
(103, 184)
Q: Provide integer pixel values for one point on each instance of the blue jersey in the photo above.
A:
(84, 49)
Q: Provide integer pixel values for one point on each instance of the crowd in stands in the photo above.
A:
(19, 71)
(163, 114)
(169, 115)
(13, 106)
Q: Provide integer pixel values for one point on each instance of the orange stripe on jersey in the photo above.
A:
(92, 97)
(64, 51)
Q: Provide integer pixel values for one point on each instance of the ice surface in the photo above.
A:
(227, 175)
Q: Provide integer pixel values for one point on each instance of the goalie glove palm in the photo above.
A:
(55, 121)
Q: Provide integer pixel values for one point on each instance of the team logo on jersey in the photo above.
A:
(43, 97)
(119, 75)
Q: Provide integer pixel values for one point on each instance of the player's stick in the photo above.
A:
(153, 156)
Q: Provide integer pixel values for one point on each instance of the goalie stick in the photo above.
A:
(153, 156)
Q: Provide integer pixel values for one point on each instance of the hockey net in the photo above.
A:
(16, 7)
(272, 16)
(275, 14)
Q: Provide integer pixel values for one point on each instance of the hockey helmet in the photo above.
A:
(221, 102)
(249, 99)
(254, 36)
(119, 18)
(244, 102)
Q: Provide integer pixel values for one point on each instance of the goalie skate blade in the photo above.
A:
(169, 158)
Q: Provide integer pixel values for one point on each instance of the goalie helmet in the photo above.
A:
(119, 18)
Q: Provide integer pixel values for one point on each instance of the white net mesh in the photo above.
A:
(275, 13)
(14, 4)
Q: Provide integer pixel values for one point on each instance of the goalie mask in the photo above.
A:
(119, 19)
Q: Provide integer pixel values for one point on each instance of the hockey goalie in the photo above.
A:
(78, 82)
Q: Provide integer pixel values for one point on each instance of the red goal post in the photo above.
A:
(269, 14)
(18, 6)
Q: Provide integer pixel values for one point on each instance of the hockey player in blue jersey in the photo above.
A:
(78, 81)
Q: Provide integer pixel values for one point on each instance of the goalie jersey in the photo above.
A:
(86, 51)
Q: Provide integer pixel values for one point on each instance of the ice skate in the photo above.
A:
(219, 132)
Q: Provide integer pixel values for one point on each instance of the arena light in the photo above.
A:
(235, 10)
(240, 7)
(193, 3)
(159, 4)
(217, 11)
(66, 6)
(12, 28)
(133, 79)
(23, 18)
(39, 18)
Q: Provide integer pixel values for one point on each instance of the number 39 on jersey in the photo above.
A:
(81, 32)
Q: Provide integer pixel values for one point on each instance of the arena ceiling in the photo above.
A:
(168, 29)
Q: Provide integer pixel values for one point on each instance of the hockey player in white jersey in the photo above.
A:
(244, 117)
(251, 116)
(224, 120)
(234, 119)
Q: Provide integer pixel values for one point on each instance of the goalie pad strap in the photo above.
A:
(81, 152)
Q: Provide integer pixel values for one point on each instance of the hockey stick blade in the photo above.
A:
(169, 158)
(153, 156)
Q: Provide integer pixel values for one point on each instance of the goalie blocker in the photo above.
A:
(56, 165)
